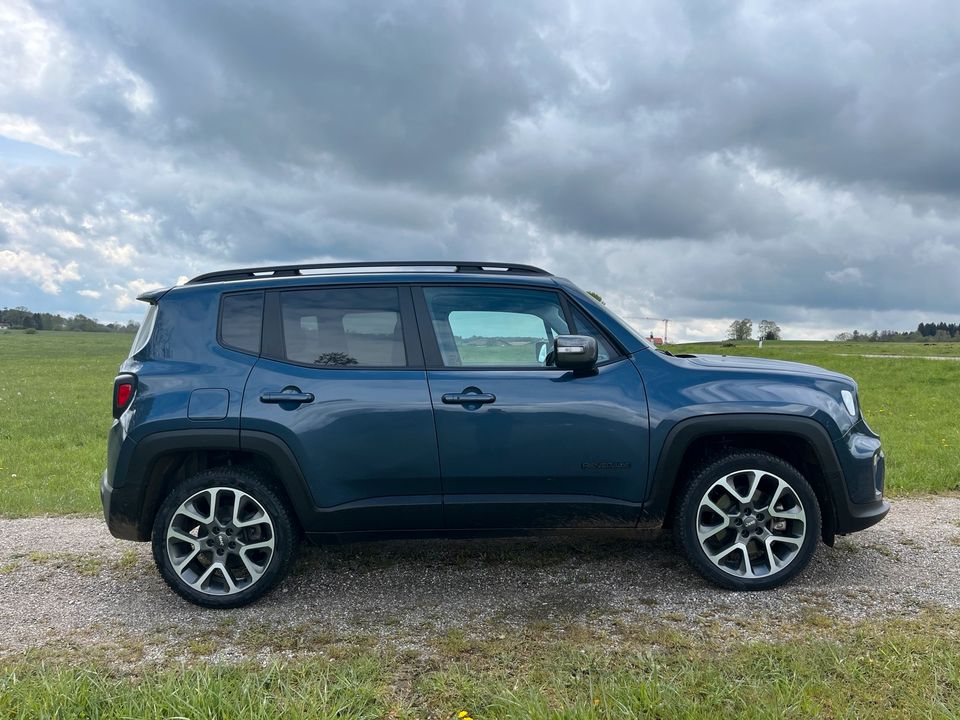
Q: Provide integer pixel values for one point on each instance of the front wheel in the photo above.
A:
(748, 521)
(223, 538)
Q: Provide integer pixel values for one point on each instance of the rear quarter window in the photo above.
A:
(241, 317)
(142, 337)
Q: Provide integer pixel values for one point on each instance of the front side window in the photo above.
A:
(488, 327)
(343, 327)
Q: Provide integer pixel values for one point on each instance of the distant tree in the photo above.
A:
(740, 329)
(768, 330)
(596, 296)
(844, 337)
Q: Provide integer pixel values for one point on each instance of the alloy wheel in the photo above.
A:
(220, 541)
(751, 524)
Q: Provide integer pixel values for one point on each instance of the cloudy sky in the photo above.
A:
(798, 161)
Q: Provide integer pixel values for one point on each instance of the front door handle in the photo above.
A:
(287, 396)
(466, 398)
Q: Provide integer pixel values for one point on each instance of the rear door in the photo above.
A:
(523, 444)
(341, 382)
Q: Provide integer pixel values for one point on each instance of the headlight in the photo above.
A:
(849, 402)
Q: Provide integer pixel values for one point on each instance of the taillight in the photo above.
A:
(123, 389)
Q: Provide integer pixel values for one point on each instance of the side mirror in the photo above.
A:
(575, 352)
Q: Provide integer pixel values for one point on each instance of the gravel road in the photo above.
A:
(66, 581)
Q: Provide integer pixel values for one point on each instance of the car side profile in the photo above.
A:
(261, 406)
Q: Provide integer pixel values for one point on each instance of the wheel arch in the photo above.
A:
(803, 442)
(163, 459)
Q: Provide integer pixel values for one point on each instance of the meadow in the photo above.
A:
(55, 411)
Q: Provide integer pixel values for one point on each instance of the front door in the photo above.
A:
(523, 444)
(341, 382)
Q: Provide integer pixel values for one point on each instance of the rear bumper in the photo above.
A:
(121, 510)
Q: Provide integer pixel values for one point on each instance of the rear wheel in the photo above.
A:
(748, 521)
(223, 538)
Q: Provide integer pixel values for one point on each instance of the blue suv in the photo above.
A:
(259, 406)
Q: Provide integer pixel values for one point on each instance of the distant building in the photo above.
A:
(4, 326)
(655, 340)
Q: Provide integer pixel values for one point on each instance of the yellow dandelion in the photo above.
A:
(463, 714)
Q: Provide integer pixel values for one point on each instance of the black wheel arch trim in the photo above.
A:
(842, 517)
(133, 500)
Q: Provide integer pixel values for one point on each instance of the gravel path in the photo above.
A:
(68, 581)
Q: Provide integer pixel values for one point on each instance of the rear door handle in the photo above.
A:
(468, 398)
(286, 397)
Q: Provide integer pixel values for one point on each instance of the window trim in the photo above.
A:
(433, 358)
(272, 341)
(263, 314)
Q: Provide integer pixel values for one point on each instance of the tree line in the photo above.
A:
(21, 318)
(937, 332)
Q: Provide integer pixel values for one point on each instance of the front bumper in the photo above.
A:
(864, 470)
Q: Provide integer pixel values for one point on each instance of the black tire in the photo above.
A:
(687, 518)
(282, 528)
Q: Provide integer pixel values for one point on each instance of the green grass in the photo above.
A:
(912, 403)
(55, 395)
(55, 410)
(907, 668)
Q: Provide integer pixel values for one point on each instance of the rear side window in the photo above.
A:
(240, 320)
(343, 327)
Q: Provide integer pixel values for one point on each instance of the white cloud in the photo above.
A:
(848, 275)
(48, 274)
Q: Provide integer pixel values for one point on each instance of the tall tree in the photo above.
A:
(768, 330)
(740, 329)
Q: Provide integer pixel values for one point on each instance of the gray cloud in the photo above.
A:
(796, 161)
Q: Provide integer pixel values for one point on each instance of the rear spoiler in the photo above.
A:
(152, 296)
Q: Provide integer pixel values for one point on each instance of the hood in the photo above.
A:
(738, 362)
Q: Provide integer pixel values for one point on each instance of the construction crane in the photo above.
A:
(665, 321)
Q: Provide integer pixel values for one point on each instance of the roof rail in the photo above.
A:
(275, 271)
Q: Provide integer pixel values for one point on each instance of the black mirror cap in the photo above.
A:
(575, 352)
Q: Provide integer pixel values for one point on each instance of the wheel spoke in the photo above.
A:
(771, 558)
(748, 566)
(179, 566)
(705, 532)
(181, 537)
(228, 578)
(255, 570)
(256, 546)
(786, 539)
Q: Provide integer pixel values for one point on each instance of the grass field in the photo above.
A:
(55, 394)
(907, 668)
(55, 410)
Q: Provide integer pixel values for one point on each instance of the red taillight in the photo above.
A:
(124, 388)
